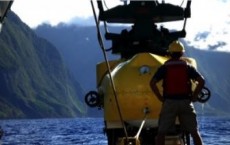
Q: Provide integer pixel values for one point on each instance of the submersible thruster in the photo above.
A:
(131, 110)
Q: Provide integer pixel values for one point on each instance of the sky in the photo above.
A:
(34, 12)
(210, 18)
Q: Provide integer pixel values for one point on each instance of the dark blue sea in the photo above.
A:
(89, 131)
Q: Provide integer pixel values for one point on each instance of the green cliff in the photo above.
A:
(34, 82)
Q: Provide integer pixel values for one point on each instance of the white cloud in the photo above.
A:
(211, 16)
(35, 12)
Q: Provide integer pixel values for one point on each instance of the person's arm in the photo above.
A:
(199, 85)
(155, 89)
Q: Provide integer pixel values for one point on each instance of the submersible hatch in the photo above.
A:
(130, 108)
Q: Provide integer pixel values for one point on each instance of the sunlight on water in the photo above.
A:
(201, 119)
(89, 131)
(202, 108)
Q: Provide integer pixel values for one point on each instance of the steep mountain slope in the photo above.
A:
(80, 50)
(34, 80)
(215, 68)
(79, 44)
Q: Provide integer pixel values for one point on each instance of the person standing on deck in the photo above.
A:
(177, 95)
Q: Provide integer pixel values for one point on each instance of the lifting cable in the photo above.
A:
(146, 111)
(109, 71)
(188, 6)
(140, 129)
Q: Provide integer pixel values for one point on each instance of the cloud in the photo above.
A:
(35, 12)
(209, 23)
(82, 21)
(201, 36)
(209, 27)
(218, 45)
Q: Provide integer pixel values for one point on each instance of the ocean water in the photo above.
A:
(89, 131)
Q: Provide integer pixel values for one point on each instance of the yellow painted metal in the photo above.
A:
(102, 69)
(128, 141)
(169, 140)
(131, 79)
(174, 140)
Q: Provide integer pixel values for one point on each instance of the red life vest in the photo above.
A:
(176, 81)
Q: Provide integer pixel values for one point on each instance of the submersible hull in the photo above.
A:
(131, 109)
(135, 102)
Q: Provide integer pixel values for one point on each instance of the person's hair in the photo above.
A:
(176, 54)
